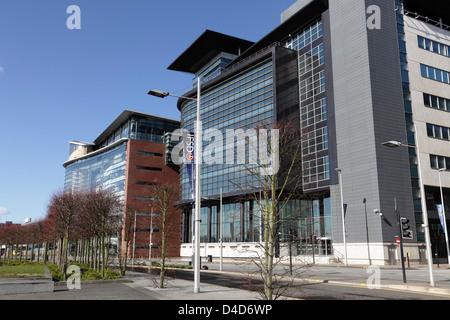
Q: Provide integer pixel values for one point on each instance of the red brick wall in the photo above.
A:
(168, 175)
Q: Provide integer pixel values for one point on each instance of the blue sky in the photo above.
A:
(58, 85)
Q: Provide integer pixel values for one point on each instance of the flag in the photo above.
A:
(188, 154)
(441, 215)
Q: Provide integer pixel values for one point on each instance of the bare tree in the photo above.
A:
(165, 196)
(64, 209)
(103, 208)
(275, 179)
(124, 229)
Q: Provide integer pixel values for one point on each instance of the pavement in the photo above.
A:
(141, 286)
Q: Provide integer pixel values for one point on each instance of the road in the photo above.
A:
(307, 288)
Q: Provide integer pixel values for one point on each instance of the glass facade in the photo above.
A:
(409, 120)
(246, 101)
(141, 128)
(103, 166)
(313, 105)
(105, 171)
(213, 70)
(242, 102)
(308, 221)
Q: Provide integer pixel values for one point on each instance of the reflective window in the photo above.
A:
(439, 132)
(434, 74)
(436, 102)
(105, 171)
(242, 102)
(433, 46)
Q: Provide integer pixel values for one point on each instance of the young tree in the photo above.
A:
(276, 179)
(165, 196)
(124, 229)
(103, 208)
(64, 208)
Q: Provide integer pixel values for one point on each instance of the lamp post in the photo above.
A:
(444, 220)
(343, 215)
(396, 144)
(134, 238)
(367, 231)
(151, 233)
(221, 231)
(163, 94)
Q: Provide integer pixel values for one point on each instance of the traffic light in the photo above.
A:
(406, 229)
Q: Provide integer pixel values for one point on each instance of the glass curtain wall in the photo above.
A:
(409, 121)
(313, 104)
(302, 221)
(141, 128)
(105, 170)
(243, 102)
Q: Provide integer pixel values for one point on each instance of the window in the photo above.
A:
(439, 162)
(150, 153)
(314, 113)
(148, 168)
(312, 86)
(435, 131)
(423, 71)
(146, 183)
(305, 37)
(435, 102)
(316, 170)
(311, 59)
(433, 46)
(146, 198)
(434, 74)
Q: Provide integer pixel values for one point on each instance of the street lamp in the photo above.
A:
(444, 220)
(151, 233)
(343, 215)
(163, 94)
(396, 144)
(367, 231)
(134, 238)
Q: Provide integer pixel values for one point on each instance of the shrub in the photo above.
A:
(56, 273)
(86, 273)
(111, 274)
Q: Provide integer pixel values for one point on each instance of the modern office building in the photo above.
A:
(127, 158)
(353, 75)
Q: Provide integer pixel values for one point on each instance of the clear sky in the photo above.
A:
(58, 85)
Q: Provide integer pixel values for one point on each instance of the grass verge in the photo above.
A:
(24, 270)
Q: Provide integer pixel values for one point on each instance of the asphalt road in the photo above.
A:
(309, 290)
(237, 277)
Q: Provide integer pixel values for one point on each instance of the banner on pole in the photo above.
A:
(189, 159)
(441, 215)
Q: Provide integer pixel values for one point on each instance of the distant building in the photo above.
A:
(126, 158)
(9, 224)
